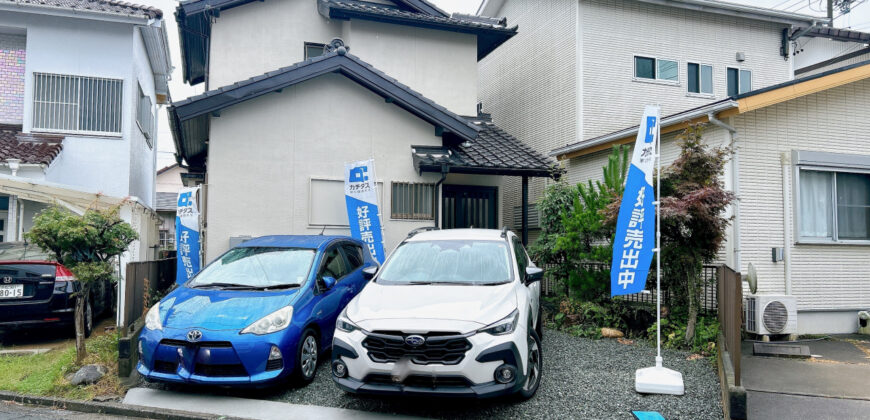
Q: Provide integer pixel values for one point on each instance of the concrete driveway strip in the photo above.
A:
(243, 407)
(822, 379)
(772, 406)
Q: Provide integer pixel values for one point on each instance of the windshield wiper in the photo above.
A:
(232, 286)
(280, 286)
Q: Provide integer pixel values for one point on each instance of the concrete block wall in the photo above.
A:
(12, 58)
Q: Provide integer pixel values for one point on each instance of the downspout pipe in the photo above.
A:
(786, 221)
(733, 138)
(435, 205)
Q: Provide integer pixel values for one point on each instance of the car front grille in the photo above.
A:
(163, 366)
(209, 344)
(446, 348)
(420, 381)
(219, 370)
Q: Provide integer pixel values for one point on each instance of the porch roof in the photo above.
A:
(31, 149)
(493, 152)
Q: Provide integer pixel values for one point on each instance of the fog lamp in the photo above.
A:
(339, 369)
(505, 374)
(274, 354)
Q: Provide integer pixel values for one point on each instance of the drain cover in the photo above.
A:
(781, 350)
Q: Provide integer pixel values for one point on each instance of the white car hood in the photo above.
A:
(431, 307)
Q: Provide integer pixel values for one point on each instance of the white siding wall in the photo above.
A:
(613, 31)
(810, 51)
(844, 63)
(143, 157)
(824, 277)
(274, 145)
(529, 83)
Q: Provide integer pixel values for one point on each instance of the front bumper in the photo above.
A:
(472, 377)
(218, 358)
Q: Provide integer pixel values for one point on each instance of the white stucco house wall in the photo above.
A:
(297, 89)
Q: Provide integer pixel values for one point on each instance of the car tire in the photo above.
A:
(535, 367)
(539, 328)
(306, 358)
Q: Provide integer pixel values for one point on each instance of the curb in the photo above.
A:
(116, 409)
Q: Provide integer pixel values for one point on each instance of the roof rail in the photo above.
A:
(421, 229)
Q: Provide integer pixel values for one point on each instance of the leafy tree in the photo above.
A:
(85, 244)
(587, 234)
(557, 199)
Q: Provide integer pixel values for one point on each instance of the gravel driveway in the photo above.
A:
(588, 379)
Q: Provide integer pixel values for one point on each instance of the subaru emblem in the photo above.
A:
(194, 335)
(415, 340)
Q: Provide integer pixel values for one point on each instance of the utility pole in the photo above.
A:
(831, 13)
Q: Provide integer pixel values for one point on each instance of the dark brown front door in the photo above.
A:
(469, 206)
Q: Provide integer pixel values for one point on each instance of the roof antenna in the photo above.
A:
(504, 231)
(323, 230)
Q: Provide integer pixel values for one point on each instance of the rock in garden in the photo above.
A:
(611, 333)
(88, 374)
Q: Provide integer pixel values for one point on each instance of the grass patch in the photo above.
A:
(44, 374)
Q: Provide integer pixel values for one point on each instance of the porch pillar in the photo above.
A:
(525, 208)
(12, 220)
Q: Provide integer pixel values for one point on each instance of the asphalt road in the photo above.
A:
(588, 379)
(10, 411)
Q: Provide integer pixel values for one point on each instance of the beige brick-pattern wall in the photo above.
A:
(528, 84)
(613, 31)
(824, 277)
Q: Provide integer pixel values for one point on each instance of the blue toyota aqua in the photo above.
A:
(261, 312)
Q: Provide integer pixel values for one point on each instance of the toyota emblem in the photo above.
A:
(194, 335)
(7, 279)
(415, 340)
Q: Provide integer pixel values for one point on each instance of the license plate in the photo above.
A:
(11, 291)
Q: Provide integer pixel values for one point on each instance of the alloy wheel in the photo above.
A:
(534, 373)
(308, 358)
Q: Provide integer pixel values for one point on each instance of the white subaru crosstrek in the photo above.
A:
(451, 312)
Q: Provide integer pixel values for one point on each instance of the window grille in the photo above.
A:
(64, 103)
(411, 200)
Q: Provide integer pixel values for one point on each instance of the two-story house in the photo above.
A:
(80, 82)
(297, 89)
(583, 68)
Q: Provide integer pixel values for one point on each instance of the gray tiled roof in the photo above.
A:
(839, 34)
(166, 201)
(384, 10)
(30, 148)
(494, 151)
(103, 6)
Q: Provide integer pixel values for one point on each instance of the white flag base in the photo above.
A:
(658, 380)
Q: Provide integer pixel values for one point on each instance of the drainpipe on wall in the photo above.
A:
(786, 221)
(733, 138)
(437, 203)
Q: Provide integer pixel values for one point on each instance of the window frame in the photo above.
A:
(796, 205)
(701, 94)
(147, 131)
(120, 100)
(739, 70)
(307, 44)
(656, 79)
(413, 217)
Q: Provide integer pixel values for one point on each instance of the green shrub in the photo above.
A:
(674, 333)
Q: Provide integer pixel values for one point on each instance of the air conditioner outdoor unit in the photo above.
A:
(771, 314)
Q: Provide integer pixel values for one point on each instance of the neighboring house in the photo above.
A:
(288, 105)
(80, 81)
(801, 170)
(820, 49)
(169, 182)
(582, 68)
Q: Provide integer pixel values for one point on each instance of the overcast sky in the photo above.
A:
(858, 18)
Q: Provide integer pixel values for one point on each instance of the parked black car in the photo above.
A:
(39, 293)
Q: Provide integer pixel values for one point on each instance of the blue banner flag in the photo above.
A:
(187, 235)
(361, 196)
(635, 228)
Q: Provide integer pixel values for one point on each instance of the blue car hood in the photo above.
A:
(220, 309)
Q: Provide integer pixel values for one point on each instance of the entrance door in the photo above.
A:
(469, 206)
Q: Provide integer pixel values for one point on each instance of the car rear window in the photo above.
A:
(26, 270)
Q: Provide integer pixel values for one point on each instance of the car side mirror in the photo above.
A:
(328, 282)
(534, 274)
(369, 272)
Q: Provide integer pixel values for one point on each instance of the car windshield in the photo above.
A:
(257, 267)
(465, 262)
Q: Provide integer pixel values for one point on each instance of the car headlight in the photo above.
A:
(505, 326)
(276, 321)
(152, 318)
(344, 324)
